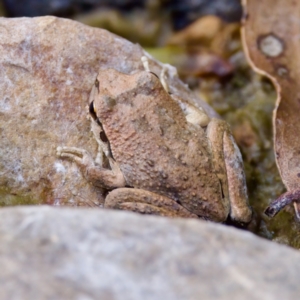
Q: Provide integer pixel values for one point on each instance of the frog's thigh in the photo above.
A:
(228, 162)
(145, 202)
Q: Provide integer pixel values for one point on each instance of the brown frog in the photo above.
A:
(166, 156)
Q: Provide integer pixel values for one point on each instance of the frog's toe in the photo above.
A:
(282, 201)
(71, 150)
(71, 157)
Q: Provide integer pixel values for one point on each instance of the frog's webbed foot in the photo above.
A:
(145, 202)
(98, 175)
(289, 197)
(228, 165)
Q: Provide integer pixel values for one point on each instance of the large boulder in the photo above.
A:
(69, 253)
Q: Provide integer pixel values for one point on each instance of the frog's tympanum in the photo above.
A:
(166, 156)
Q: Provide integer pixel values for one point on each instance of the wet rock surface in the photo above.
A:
(52, 253)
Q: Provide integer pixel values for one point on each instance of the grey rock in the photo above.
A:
(69, 253)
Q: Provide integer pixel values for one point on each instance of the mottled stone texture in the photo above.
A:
(53, 253)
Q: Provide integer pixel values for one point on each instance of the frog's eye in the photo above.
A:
(92, 111)
(97, 84)
(103, 137)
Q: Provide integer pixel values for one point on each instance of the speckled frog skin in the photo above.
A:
(166, 156)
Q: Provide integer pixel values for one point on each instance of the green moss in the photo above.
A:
(9, 199)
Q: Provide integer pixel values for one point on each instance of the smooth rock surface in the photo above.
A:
(69, 253)
(47, 68)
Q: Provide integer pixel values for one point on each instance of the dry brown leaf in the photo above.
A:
(271, 38)
(227, 41)
(209, 32)
(200, 62)
(201, 31)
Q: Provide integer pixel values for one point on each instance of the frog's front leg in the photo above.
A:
(99, 176)
(229, 168)
(145, 202)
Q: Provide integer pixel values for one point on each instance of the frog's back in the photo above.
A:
(159, 151)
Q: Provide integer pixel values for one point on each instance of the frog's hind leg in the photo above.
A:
(145, 202)
(228, 165)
